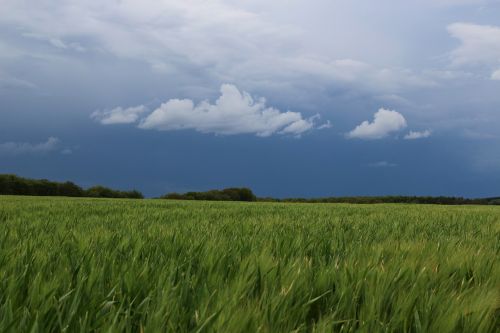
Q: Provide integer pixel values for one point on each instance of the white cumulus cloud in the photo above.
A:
(16, 148)
(384, 123)
(118, 115)
(414, 135)
(234, 112)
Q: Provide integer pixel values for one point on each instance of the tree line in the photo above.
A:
(245, 194)
(440, 200)
(15, 185)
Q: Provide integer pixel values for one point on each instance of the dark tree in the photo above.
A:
(14, 185)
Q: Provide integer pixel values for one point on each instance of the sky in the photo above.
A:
(290, 98)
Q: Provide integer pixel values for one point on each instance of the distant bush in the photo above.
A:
(104, 192)
(494, 201)
(228, 194)
(14, 185)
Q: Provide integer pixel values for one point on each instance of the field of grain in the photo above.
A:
(79, 265)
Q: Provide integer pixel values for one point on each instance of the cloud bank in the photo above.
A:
(234, 112)
(18, 148)
(384, 123)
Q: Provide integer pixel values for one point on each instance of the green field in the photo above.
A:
(79, 265)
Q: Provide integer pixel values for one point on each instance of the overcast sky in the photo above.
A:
(290, 98)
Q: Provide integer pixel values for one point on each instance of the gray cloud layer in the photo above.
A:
(229, 42)
(324, 58)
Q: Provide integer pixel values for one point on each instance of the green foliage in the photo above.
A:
(228, 194)
(14, 185)
(100, 265)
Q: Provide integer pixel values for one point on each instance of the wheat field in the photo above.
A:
(104, 265)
